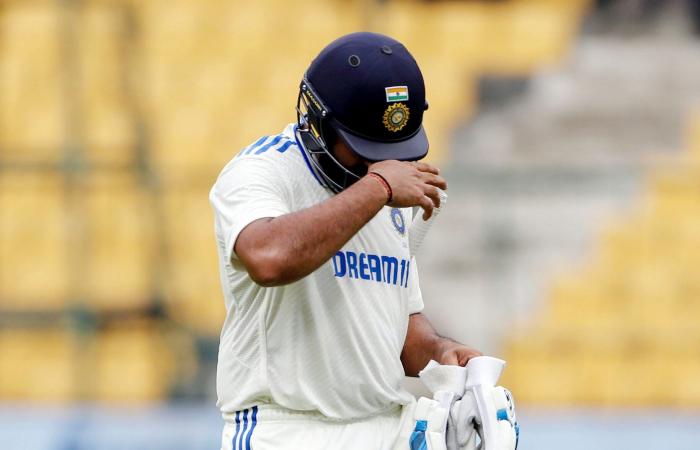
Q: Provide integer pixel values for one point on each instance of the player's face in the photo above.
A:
(349, 159)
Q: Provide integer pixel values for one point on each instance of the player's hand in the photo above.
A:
(412, 184)
(454, 354)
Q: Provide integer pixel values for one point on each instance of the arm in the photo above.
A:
(284, 249)
(423, 344)
(281, 250)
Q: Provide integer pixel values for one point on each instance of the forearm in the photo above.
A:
(420, 346)
(423, 343)
(291, 246)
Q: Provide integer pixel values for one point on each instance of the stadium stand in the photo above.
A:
(115, 118)
(108, 122)
(38, 365)
(32, 104)
(135, 364)
(132, 363)
(192, 289)
(120, 241)
(631, 309)
(34, 270)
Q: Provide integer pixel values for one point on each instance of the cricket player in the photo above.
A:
(322, 294)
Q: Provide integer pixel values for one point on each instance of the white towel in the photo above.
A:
(439, 378)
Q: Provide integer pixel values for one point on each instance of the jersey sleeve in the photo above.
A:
(247, 190)
(415, 297)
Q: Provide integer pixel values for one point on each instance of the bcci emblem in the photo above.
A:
(395, 117)
(397, 220)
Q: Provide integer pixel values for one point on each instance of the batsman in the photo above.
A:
(314, 231)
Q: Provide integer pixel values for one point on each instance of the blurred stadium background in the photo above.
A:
(570, 245)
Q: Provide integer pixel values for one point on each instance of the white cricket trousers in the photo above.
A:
(270, 427)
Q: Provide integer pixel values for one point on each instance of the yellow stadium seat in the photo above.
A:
(107, 111)
(544, 381)
(36, 237)
(194, 289)
(32, 81)
(612, 385)
(679, 379)
(120, 244)
(530, 36)
(38, 365)
(137, 363)
(452, 98)
(625, 245)
(677, 192)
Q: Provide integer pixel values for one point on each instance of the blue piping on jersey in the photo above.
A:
(306, 159)
(283, 148)
(258, 148)
(250, 148)
(267, 146)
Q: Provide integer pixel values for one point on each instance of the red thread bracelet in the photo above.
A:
(382, 180)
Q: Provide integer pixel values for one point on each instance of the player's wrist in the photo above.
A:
(379, 179)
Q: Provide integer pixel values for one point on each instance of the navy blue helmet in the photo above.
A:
(367, 90)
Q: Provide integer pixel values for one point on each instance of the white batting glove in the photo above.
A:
(508, 428)
(461, 424)
(464, 423)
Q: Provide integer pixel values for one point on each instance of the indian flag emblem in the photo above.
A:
(396, 93)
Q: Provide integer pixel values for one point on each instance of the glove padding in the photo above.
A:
(464, 423)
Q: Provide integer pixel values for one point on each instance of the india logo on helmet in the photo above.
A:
(396, 117)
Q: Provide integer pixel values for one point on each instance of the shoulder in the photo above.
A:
(278, 149)
(270, 158)
(272, 147)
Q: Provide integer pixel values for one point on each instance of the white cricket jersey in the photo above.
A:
(331, 341)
